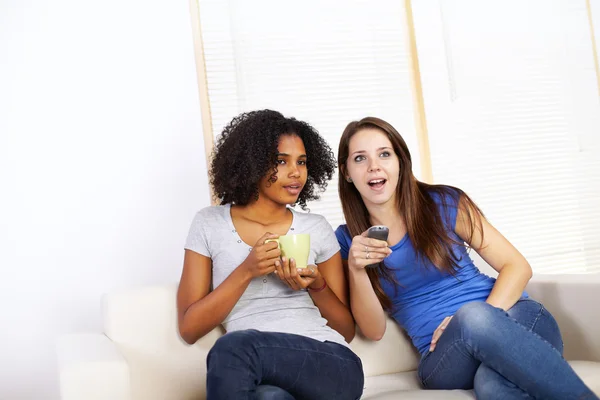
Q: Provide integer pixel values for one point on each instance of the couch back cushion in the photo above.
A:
(145, 320)
(393, 353)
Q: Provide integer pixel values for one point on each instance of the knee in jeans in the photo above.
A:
(233, 342)
(484, 383)
(476, 317)
(267, 392)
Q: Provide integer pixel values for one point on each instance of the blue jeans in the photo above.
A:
(503, 355)
(279, 366)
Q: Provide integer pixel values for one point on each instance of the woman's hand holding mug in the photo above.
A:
(262, 258)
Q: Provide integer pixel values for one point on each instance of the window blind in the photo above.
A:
(324, 62)
(595, 13)
(513, 112)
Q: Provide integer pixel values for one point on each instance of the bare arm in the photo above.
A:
(366, 308)
(199, 311)
(513, 269)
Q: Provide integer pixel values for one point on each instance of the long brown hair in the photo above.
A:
(426, 226)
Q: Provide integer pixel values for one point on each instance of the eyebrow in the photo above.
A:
(287, 155)
(363, 151)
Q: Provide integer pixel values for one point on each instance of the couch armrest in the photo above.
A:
(91, 367)
(574, 301)
(169, 372)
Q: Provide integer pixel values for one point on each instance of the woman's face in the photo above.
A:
(291, 172)
(373, 166)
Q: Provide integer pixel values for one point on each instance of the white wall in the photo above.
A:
(101, 167)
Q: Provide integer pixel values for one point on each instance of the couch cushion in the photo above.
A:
(174, 375)
(145, 317)
(393, 353)
(405, 386)
(572, 299)
(143, 323)
(589, 372)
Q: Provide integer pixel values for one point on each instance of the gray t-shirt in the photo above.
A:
(267, 304)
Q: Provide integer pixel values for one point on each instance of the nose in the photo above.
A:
(294, 171)
(374, 165)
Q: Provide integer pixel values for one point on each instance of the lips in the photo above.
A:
(294, 188)
(377, 183)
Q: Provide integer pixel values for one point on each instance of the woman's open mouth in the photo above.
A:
(293, 189)
(377, 184)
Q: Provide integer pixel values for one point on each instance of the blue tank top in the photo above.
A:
(425, 295)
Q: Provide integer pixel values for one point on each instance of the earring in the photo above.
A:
(349, 180)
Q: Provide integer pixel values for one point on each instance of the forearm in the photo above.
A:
(509, 286)
(336, 313)
(366, 308)
(207, 313)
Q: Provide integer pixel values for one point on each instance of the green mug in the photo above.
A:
(295, 246)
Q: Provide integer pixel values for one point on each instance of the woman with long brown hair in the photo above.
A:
(473, 331)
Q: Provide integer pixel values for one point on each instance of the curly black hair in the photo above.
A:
(246, 151)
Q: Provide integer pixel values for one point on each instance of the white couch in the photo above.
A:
(141, 356)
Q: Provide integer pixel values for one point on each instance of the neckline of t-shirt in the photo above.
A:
(400, 243)
(227, 216)
(393, 247)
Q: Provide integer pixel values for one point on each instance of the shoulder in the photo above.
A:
(344, 239)
(342, 232)
(447, 201)
(343, 236)
(206, 224)
(445, 196)
(210, 211)
(210, 215)
(310, 221)
(323, 241)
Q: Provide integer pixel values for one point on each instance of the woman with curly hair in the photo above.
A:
(287, 328)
